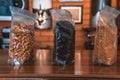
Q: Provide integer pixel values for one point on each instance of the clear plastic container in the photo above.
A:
(64, 37)
(21, 45)
(105, 47)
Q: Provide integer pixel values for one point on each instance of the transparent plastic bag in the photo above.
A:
(64, 37)
(105, 47)
(21, 45)
(61, 15)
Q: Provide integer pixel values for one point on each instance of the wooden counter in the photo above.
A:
(42, 68)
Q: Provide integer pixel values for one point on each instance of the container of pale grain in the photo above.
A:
(105, 46)
(21, 45)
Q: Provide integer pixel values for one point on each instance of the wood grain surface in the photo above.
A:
(42, 68)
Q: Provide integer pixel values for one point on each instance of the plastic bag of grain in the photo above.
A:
(64, 37)
(21, 36)
(105, 46)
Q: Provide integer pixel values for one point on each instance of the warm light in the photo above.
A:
(78, 63)
(42, 57)
(43, 4)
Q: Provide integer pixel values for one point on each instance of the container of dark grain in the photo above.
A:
(105, 46)
(21, 45)
(64, 37)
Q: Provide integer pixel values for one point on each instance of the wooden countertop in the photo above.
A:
(42, 67)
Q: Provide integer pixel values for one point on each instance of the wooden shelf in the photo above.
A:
(42, 67)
